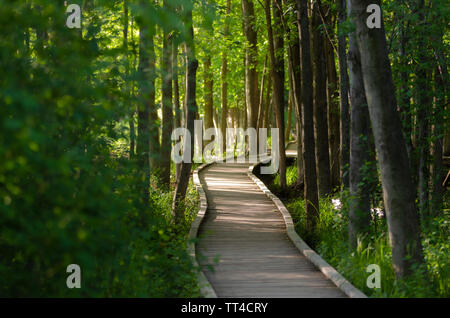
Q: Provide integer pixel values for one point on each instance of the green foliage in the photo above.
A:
(68, 193)
(331, 242)
(291, 177)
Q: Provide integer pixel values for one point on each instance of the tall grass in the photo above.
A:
(331, 242)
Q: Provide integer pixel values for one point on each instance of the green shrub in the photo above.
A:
(331, 242)
(68, 194)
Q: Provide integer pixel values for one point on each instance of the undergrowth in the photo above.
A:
(331, 242)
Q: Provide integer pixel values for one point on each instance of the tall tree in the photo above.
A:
(404, 95)
(332, 100)
(277, 71)
(287, 134)
(251, 58)
(148, 135)
(424, 106)
(295, 79)
(224, 79)
(176, 84)
(269, 101)
(398, 189)
(127, 79)
(261, 104)
(208, 91)
(441, 103)
(166, 101)
(176, 94)
(343, 96)
(178, 205)
(320, 103)
(309, 160)
(359, 208)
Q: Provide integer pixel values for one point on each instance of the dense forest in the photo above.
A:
(89, 105)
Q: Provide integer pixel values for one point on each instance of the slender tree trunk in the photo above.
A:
(438, 167)
(167, 106)
(441, 84)
(424, 106)
(251, 56)
(359, 209)
(176, 84)
(178, 205)
(127, 79)
(295, 83)
(208, 90)
(333, 111)
(268, 102)
(261, 97)
(134, 86)
(223, 81)
(398, 189)
(245, 117)
(295, 77)
(153, 112)
(404, 101)
(320, 105)
(216, 119)
(289, 115)
(309, 160)
(176, 95)
(147, 142)
(343, 93)
(277, 69)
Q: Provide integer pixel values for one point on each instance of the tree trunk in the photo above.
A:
(208, 91)
(167, 107)
(440, 133)
(398, 189)
(287, 134)
(333, 110)
(176, 95)
(320, 105)
(438, 167)
(178, 205)
(148, 139)
(251, 56)
(223, 81)
(359, 207)
(424, 106)
(277, 69)
(269, 101)
(295, 82)
(309, 160)
(176, 85)
(261, 97)
(343, 94)
(404, 101)
(127, 79)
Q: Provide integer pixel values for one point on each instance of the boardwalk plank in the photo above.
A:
(243, 237)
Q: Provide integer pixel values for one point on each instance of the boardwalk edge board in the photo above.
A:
(331, 273)
(205, 287)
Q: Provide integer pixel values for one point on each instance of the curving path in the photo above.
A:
(243, 239)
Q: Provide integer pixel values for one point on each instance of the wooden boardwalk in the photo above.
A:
(245, 233)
